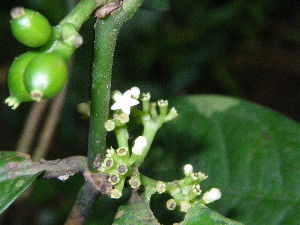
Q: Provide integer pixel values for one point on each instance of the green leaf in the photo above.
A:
(248, 151)
(157, 5)
(137, 211)
(201, 215)
(12, 186)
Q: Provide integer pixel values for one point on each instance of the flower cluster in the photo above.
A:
(186, 192)
(122, 164)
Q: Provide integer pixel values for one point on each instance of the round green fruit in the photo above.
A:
(30, 27)
(45, 76)
(17, 90)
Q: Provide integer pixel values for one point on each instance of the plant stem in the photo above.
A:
(82, 12)
(122, 136)
(53, 116)
(32, 122)
(147, 181)
(106, 35)
(84, 201)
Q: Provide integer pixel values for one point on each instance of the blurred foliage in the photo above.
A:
(248, 49)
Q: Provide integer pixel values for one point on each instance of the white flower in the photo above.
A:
(187, 169)
(124, 102)
(135, 92)
(139, 145)
(212, 195)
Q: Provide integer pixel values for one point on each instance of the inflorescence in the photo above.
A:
(121, 164)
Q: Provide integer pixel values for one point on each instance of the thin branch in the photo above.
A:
(45, 138)
(60, 168)
(31, 125)
(84, 201)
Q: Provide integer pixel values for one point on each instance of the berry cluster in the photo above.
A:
(39, 74)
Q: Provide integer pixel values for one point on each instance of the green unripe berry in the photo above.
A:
(30, 27)
(45, 76)
(18, 92)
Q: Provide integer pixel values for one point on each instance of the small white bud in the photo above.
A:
(135, 92)
(139, 145)
(185, 206)
(115, 194)
(161, 187)
(187, 169)
(211, 195)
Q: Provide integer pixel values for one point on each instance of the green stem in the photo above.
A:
(106, 36)
(150, 129)
(82, 12)
(122, 136)
(147, 181)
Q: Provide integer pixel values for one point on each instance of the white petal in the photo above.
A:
(127, 94)
(133, 102)
(115, 106)
(126, 109)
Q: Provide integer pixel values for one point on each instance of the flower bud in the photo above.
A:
(135, 92)
(187, 169)
(211, 195)
(139, 145)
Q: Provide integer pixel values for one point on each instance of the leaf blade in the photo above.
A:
(12, 187)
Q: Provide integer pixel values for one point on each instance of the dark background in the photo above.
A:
(246, 49)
